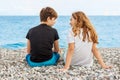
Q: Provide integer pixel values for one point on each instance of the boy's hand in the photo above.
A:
(61, 50)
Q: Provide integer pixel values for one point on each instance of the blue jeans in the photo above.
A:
(49, 62)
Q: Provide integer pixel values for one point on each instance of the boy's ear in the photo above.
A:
(48, 19)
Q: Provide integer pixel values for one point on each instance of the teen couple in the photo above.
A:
(82, 40)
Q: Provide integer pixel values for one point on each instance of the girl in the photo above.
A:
(82, 41)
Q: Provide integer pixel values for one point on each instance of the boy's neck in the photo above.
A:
(45, 23)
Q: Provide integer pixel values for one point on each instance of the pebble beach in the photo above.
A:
(14, 67)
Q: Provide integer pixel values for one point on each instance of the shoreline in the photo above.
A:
(13, 67)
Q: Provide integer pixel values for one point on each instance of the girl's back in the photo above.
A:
(82, 53)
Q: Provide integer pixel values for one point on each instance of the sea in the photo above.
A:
(13, 30)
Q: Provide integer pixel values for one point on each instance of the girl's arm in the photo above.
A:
(56, 46)
(99, 57)
(69, 56)
(28, 46)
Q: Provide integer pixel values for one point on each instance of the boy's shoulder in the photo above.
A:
(54, 29)
(33, 28)
(41, 26)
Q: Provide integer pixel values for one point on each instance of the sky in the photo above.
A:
(63, 7)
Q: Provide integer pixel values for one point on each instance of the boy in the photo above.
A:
(41, 39)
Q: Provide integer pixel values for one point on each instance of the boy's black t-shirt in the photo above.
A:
(41, 38)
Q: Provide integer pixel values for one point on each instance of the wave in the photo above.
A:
(18, 45)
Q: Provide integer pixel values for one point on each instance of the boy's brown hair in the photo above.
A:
(47, 12)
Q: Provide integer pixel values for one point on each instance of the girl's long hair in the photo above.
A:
(82, 22)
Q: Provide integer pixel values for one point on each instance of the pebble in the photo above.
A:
(14, 67)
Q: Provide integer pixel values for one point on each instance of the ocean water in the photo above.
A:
(13, 30)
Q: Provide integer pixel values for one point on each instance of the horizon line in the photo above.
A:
(62, 15)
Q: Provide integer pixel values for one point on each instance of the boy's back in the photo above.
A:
(41, 38)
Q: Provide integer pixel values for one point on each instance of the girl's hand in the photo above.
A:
(63, 70)
(106, 67)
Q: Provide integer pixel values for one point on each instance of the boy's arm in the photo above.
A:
(56, 46)
(28, 46)
(69, 55)
(99, 57)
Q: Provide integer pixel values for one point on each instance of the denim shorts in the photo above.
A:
(52, 61)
